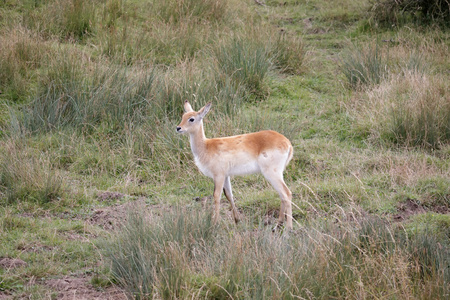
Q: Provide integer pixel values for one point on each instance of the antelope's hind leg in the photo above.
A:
(229, 195)
(275, 176)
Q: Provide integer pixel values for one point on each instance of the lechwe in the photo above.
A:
(266, 152)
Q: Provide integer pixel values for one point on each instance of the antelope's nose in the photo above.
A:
(178, 128)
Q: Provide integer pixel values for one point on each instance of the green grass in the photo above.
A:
(176, 256)
(390, 13)
(49, 247)
(91, 93)
(28, 176)
(365, 66)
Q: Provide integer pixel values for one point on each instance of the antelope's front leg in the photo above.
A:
(218, 187)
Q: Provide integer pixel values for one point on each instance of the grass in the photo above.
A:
(96, 183)
(246, 63)
(27, 176)
(64, 19)
(422, 11)
(415, 110)
(365, 66)
(201, 10)
(179, 257)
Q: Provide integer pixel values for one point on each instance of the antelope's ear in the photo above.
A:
(187, 107)
(204, 110)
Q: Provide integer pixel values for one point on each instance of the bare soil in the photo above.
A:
(80, 288)
(11, 263)
(112, 217)
(410, 207)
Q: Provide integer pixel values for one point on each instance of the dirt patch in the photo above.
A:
(34, 247)
(4, 296)
(442, 209)
(407, 209)
(410, 207)
(271, 217)
(104, 196)
(74, 236)
(80, 288)
(11, 263)
(113, 217)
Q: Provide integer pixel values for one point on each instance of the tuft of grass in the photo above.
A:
(247, 61)
(21, 53)
(392, 12)
(181, 254)
(408, 110)
(115, 98)
(161, 44)
(110, 97)
(65, 19)
(364, 66)
(423, 118)
(174, 11)
(25, 176)
(289, 53)
(152, 260)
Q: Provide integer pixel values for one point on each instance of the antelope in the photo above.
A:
(266, 152)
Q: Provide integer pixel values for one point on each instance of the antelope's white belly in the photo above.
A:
(244, 168)
(228, 167)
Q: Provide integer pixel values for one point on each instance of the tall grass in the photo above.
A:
(392, 12)
(21, 53)
(65, 19)
(156, 262)
(289, 53)
(110, 97)
(27, 176)
(424, 120)
(364, 66)
(72, 95)
(160, 43)
(409, 109)
(182, 255)
(247, 61)
(173, 11)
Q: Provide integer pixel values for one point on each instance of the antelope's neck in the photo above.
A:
(198, 142)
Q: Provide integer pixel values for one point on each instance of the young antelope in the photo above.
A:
(266, 152)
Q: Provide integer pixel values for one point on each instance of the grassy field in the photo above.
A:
(100, 198)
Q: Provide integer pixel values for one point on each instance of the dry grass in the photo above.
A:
(410, 109)
(391, 12)
(28, 176)
(182, 255)
(22, 52)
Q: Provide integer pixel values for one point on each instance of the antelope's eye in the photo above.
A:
(191, 120)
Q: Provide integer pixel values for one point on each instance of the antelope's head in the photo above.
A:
(191, 120)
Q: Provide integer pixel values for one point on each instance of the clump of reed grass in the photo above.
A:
(162, 44)
(27, 176)
(364, 66)
(66, 19)
(246, 61)
(155, 262)
(68, 97)
(74, 96)
(181, 254)
(173, 11)
(394, 12)
(289, 53)
(21, 53)
(408, 110)
(423, 117)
